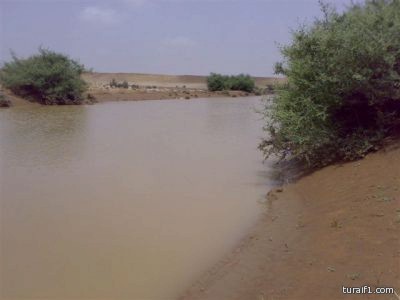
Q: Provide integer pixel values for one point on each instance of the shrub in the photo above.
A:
(113, 83)
(91, 98)
(4, 102)
(269, 88)
(125, 84)
(216, 82)
(47, 77)
(241, 82)
(343, 91)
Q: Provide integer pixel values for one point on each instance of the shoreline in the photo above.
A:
(339, 226)
(165, 94)
(122, 96)
(162, 87)
(142, 87)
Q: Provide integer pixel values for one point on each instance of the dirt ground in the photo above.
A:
(171, 81)
(157, 87)
(339, 226)
(156, 93)
(150, 87)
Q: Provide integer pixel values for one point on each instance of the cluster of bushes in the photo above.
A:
(47, 77)
(125, 85)
(241, 82)
(114, 84)
(343, 91)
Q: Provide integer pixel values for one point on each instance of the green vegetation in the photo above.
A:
(114, 84)
(47, 77)
(90, 99)
(241, 82)
(125, 84)
(4, 102)
(343, 92)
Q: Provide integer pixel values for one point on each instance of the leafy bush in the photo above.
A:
(241, 82)
(343, 91)
(47, 77)
(216, 82)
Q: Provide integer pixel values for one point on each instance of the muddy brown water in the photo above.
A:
(125, 200)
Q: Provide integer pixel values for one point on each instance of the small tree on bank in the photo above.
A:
(47, 77)
(343, 92)
(241, 82)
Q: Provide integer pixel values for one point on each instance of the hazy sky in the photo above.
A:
(157, 36)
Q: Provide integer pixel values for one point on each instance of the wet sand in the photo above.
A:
(102, 95)
(339, 226)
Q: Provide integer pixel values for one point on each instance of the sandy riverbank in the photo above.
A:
(151, 87)
(99, 80)
(158, 87)
(339, 226)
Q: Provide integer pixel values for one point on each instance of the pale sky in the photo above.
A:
(157, 36)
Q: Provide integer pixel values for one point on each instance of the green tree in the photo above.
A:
(47, 77)
(216, 82)
(343, 91)
(241, 82)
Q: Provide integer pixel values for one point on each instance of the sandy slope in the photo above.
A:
(339, 226)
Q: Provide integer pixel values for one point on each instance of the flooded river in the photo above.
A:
(124, 200)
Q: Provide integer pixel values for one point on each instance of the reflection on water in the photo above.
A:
(42, 136)
(124, 200)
